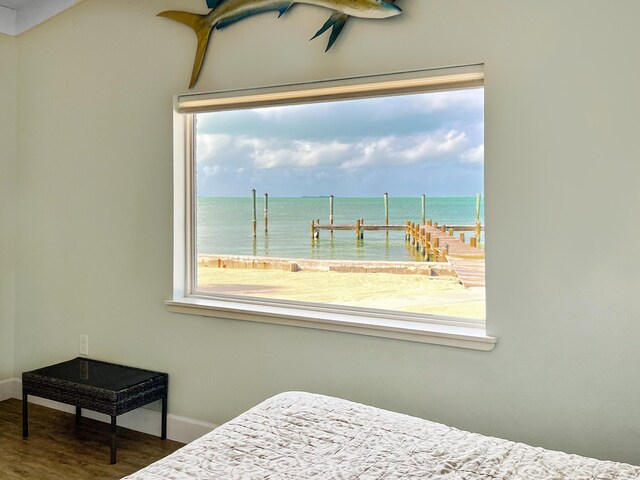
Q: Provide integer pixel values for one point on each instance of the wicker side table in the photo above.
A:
(98, 386)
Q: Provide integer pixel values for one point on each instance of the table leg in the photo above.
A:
(78, 415)
(25, 415)
(164, 418)
(114, 429)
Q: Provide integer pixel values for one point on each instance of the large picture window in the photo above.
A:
(363, 199)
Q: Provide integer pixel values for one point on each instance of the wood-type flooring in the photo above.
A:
(57, 448)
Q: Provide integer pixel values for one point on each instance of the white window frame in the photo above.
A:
(435, 329)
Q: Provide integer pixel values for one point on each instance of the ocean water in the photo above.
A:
(224, 226)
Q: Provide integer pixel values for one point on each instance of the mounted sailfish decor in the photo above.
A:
(227, 12)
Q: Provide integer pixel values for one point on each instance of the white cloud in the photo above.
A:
(433, 145)
(473, 155)
(269, 153)
(210, 145)
(299, 154)
(406, 150)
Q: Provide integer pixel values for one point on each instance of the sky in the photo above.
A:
(431, 143)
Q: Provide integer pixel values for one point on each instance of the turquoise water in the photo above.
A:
(224, 226)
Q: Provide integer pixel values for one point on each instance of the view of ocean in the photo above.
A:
(224, 226)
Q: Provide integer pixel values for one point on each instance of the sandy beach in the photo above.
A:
(410, 293)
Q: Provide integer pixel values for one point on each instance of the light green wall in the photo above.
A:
(8, 198)
(562, 147)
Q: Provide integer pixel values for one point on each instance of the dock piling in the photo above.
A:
(424, 208)
(253, 211)
(331, 209)
(266, 212)
(478, 226)
(386, 208)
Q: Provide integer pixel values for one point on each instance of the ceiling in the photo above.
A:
(17, 16)
(14, 4)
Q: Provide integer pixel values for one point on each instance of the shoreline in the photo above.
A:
(403, 286)
(431, 269)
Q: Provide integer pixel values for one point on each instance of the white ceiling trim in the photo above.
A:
(7, 21)
(29, 14)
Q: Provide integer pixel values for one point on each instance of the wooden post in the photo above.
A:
(314, 233)
(478, 227)
(331, 210)
(424, 208)
(386, 208)
(451, 232)
(462, 237)
(430, 222)
(472, 242)
(266, 212)
(253, 211)
(407, 234)
(443, 228)
(358, 229)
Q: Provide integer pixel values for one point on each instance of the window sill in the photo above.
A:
(461, 334)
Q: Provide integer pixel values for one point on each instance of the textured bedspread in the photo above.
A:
(305, 436)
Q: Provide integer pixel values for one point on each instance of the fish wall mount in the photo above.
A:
(224, 13)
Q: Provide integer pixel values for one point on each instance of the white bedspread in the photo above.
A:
(305, 436)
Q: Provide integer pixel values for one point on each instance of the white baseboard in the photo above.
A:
(7, 389)
(146, 420)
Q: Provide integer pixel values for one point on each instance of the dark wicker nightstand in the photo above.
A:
(99, 386)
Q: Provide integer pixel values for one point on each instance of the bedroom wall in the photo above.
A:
(562, 144)
(8, 197)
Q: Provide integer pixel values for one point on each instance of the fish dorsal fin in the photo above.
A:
(280, 7)
(336, 22)
(214, 3)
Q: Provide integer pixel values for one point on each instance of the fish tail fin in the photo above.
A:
(336, 23)
(202, 27)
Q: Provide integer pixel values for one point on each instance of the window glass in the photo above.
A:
(345, 202)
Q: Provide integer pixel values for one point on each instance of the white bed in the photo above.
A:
(299, 435)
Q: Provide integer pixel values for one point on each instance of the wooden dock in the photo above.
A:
(432, 242)
(438, 243)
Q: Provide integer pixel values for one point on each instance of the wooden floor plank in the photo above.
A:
(57, 448)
